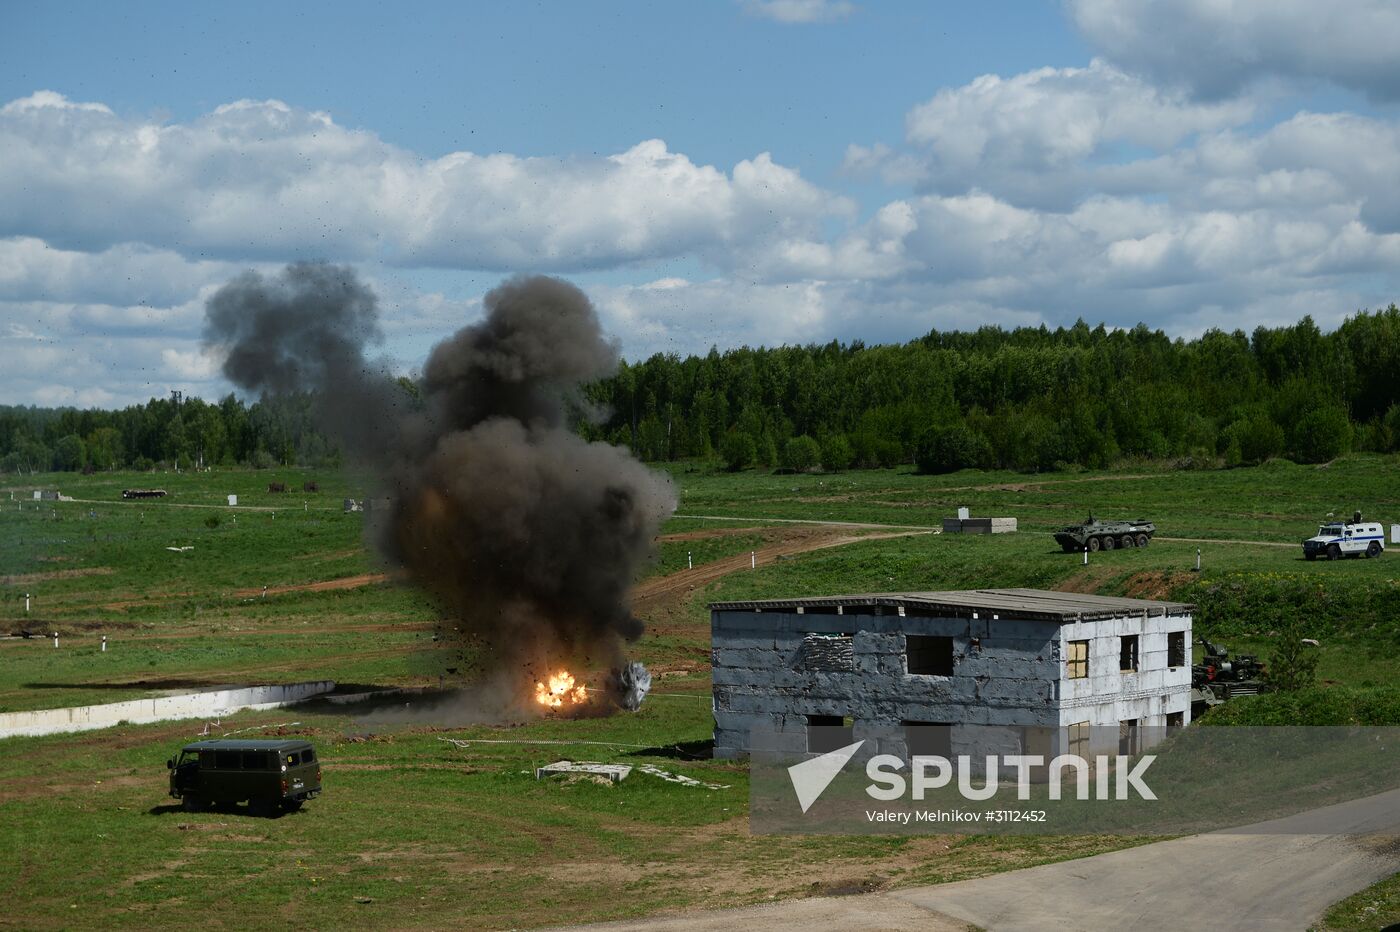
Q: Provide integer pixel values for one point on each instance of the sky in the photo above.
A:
(735, 172)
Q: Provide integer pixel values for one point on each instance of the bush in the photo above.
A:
(888, 453)
(1293, 664)
(1317, 705)
(801, 454)
(837, 453)
(1321, 435)
(1252, 440)
(738, 451)
(1390, 428)
(948, 449)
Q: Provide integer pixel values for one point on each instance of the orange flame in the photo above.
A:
(560, 691)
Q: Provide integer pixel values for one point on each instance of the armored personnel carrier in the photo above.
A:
(1094, 535)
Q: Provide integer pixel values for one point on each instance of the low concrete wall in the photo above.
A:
(979, 526)
(163, 709)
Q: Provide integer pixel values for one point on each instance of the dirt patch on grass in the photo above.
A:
(345, 582)
(336, 555)
(796, 541)
(1156, 584)
(1088, 580)
(710, 534)
(26, 578)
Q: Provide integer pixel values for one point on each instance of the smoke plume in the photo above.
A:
(528, 536)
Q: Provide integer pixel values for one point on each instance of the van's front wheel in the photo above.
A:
(192, 804)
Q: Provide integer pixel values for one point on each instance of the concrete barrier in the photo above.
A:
(208, 704)
(979, 525)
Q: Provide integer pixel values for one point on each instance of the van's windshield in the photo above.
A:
(1330, 530)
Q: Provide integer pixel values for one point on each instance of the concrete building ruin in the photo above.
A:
(878, 664)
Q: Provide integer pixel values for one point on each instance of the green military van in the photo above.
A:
(267, 774)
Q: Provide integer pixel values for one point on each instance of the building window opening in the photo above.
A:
(1078, 735)
(928, 656)
(1128, 654)
(928, 739)
(1077, 662)
(829, 732)
(1176, 649)
(1129, 737)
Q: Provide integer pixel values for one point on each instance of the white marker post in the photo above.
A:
(1198, 559)
(689, 563)
(104, 643)
(26, 603)
(55, 639)
(753, 560)
(1086, 554)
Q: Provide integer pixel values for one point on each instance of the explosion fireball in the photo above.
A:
(560, 691)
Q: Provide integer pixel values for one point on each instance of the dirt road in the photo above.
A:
(1230, 881)
(683, 581)
(926, 528)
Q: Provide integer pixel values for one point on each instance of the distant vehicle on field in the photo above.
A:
(143, 493)
(1094, 535)
(1354, 538)
(267, 774)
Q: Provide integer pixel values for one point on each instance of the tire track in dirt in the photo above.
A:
(326, 585)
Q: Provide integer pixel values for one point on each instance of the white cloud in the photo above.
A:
(264, 180)
(51, 100)
(1218, 47)
(799, 11)
(1012, 133)
(128, 273)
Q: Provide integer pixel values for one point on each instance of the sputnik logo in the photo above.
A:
(811, 777)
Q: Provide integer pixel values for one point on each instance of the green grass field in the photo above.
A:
(414, 831)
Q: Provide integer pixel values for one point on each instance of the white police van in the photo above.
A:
(1352, 538)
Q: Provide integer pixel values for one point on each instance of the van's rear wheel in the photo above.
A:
(1374, 550)
(261, 808)
(1128, 541)
(291, 805)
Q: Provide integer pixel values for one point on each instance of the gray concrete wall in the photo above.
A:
(164, 708)
(769, 670)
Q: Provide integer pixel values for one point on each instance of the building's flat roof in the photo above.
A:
(1033, 604)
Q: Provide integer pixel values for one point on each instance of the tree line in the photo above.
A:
(175, 432)
(1028, 399)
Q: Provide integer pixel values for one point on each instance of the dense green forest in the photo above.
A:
(1028, 399)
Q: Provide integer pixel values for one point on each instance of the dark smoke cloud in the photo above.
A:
(528, 536)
